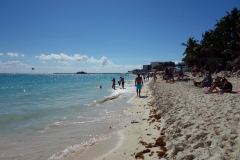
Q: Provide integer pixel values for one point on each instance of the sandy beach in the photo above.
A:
(193, 125)
(178, 121)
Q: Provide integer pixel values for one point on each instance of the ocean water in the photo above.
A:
(48, 116)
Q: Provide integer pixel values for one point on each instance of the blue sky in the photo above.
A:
(100, 35)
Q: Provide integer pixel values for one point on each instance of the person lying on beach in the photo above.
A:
(214, 85)
(206, 82)
(227, 86)
(139, 84)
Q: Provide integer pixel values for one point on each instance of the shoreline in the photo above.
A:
(117, 140)
(178, 121)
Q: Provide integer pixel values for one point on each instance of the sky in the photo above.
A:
(100, 36)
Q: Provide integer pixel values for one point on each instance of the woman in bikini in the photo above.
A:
(171, 75)
(180, 73)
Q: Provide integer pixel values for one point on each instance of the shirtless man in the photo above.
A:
(138, 84)
(122, 80)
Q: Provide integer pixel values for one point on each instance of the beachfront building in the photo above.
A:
(146, 68)
(154, 64)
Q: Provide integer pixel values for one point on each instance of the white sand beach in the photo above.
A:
(178, 121)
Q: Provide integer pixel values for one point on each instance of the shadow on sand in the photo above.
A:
(143, 96)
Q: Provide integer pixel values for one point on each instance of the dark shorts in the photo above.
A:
(180, 74)
(122, 83)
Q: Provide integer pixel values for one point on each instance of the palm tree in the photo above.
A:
(233, 49)
(190, 50)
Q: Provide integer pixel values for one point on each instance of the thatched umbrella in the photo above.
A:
(235, 63)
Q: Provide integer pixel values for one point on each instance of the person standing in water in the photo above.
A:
(139, 84)
(122, 80)
(113, 85)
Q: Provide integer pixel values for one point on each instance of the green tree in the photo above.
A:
(191, 50)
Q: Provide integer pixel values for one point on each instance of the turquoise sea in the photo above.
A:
(48, 116)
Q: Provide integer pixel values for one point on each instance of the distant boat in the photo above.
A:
(81, 72)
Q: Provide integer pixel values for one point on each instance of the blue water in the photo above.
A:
(41, 115)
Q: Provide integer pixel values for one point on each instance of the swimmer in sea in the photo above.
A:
(122, 80)
(139, 84)
(100, 86)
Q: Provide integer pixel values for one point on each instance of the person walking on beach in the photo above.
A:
(113, 85)
(122, 80)
(155, 76)
(139, 84)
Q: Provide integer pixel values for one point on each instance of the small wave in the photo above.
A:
(101, 101)
(74, 148)
(109, 98)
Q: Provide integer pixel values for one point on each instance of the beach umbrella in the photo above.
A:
(177, 67)
(235, 63)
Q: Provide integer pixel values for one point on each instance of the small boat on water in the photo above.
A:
(81, 72)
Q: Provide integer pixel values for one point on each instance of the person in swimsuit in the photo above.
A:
(113, 85)
(155, 76)
(180, 74)
(122, 80)
(166, 74)
(171, 75)
(194, 72)
(139, 84)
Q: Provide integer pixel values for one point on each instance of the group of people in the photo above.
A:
(169, 73)
(207, 69)
(119, 82)
(220, 84)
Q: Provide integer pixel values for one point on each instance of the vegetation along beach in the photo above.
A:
(119, 80)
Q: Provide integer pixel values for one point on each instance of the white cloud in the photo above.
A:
(176, 62)
(148, 59)
(22, 55)
(64, 59)
(13, 64)
(1, 54)
(13, 54)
